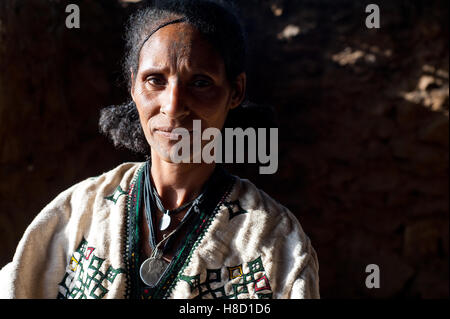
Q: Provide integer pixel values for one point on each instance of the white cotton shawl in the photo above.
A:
(76, 247)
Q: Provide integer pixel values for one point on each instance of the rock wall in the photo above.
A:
(363, 116)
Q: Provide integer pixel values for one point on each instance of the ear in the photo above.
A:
(238, 90)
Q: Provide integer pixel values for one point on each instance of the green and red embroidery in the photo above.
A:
(114, 197)
(83, 278)
(209, 208)
(131, 247)
(214, 287)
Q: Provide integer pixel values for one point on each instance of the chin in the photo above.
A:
(162, 151)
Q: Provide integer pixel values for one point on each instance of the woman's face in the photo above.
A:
(181, 78)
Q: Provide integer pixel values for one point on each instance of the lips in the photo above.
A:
(168, 132)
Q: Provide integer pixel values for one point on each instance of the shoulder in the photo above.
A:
(91, 209)
(85, 205)
(120, 176)
(124, 173)
(259, 220)
(261, 224)
(259, 204)
(262, 221)
(90, 193)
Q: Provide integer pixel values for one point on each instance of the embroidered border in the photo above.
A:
(134, 287)
(240, 282)
(83, 278)
(206, 224)
(131, 250)
(171, 277)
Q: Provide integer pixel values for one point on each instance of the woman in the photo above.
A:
(167, 229)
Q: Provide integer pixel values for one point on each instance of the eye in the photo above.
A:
(155, 80)
(201, 83)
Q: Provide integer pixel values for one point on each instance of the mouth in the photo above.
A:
(168, 132)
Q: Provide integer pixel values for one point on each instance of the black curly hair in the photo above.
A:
(218, 21)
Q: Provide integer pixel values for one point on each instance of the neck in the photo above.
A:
(178, 183)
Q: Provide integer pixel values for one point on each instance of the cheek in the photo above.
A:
(212, 107)
(146, 113)
(145, 103)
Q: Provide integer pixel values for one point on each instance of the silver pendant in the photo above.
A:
(151, 270)
(164, 222)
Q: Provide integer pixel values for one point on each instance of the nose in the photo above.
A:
(173, 103)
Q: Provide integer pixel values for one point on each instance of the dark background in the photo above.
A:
(363, 113)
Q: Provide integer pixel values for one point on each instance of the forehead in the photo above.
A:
(179, 46)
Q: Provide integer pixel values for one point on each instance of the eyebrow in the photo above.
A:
(160, 70)
(154, 69)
